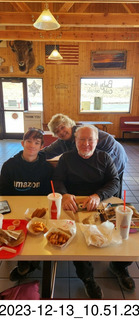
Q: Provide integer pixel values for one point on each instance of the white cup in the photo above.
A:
(54, 205)
(123, 220)
(1, 220)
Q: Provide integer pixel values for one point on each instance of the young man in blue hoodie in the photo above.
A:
(27, 173)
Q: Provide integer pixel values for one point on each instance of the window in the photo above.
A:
(18, 95)
(105, 95)
(34, 91)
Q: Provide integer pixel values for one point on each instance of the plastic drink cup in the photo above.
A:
(54, 205)
(1, 220)
(123, 220)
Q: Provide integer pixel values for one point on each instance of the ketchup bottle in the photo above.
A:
(53, 210)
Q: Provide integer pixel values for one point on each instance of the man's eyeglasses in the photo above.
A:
(90, 140)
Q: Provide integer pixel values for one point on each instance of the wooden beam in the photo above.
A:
(24, 7)
(15, 6)
(21, 7)
(129, 8)
(73, 19)
(76, 1)
(99, 19)
(66, 7)
(71, 36)
(82, 7)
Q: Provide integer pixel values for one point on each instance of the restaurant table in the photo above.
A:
(54, 160)
(103, 123)
(36, 247)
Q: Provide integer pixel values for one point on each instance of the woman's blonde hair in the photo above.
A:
(59, 119)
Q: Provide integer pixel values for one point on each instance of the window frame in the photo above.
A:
(105, 111)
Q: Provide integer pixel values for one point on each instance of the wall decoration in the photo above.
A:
(14, 115)
(4, 69)
(61, 86)
(34, 88)
(24, 54)
(108, 59)
(40, 69)
(11, 69)
(3, 44)
(70, 54)
(1, 60)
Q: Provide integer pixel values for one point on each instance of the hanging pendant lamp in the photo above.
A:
(55, 55)
(46, 21)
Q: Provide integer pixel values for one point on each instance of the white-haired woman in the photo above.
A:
(64, 128)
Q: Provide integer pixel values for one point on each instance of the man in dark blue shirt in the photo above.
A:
(87, 171)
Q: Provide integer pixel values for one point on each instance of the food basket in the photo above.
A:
(61, 233)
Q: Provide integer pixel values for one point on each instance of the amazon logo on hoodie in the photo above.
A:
(26, 184)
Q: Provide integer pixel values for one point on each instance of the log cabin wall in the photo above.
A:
(61, 83)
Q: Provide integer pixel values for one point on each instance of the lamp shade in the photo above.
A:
(55, 55)
(46, 21)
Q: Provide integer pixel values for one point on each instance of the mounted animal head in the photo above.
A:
(24, 54)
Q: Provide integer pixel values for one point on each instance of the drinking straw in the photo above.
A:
(52, 185)
(124, 198)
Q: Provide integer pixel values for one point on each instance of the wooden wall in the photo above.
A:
(61, 83)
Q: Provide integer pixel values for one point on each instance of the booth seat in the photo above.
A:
(48, 138)
(129, 125)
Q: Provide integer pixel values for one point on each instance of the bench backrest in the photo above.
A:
(48, 139)
(129, 127)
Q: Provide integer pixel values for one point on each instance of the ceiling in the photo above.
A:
(81, 21)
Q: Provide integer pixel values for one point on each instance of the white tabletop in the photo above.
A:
(132, 122)
(94, 122)
(36, 247)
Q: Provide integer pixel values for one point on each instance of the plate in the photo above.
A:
(29, 211)
(33, 220)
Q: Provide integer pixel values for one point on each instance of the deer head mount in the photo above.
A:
(24, 54)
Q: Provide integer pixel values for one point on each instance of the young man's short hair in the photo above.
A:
(34, 134)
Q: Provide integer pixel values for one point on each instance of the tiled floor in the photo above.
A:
(67, 285)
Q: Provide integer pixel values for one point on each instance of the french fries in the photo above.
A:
(39, 226)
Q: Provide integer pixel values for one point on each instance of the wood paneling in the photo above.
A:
(61, 83)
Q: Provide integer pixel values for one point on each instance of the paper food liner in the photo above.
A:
(101, 235)
(67, 227)
(11, 241)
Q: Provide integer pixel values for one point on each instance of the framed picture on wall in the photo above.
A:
(108, 59)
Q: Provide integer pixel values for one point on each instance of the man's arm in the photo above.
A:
(60, 175)
(109, 188)
(111, 180)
